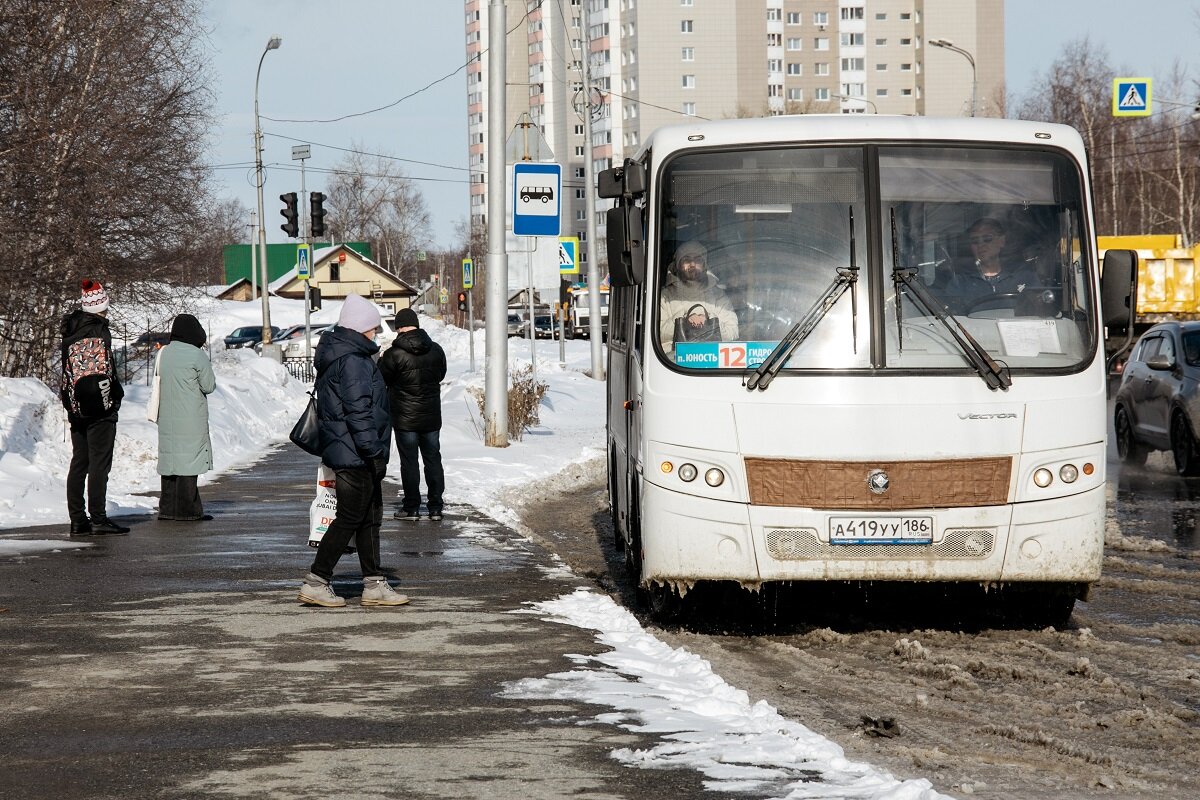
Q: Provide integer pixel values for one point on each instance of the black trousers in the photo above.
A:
(429, 444)
(359, 516)
(91, 460)
(180, 499)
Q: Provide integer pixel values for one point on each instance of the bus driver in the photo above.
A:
(692, 306)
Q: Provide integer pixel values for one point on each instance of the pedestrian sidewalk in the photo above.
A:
(176, 662)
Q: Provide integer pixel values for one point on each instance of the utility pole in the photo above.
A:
(495, 395)
(253, 256)
(302, 153)
(596, 334)
(268, 351)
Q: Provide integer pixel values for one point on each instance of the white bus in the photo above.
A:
(866, 423)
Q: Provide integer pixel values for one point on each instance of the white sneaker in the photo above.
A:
(378, 592)
(316, 592)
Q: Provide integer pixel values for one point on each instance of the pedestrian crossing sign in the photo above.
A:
(568, 255)
(304, 261)
(1131, 97)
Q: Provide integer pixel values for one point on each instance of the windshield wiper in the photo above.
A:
(847, 278)
(995, 376)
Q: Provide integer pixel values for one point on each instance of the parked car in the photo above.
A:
(289, 332)
(151, 340)
(293, 346)
(516, 324)
(1158, 402)
(543, 326)
(247, 335)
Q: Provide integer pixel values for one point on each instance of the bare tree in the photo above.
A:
(1144, 172)
(103, 111)
(370, 199)
(222, 224)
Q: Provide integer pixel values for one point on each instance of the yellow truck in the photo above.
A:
(1167, 287)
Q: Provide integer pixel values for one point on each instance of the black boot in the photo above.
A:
(107, 526)
(81, 527)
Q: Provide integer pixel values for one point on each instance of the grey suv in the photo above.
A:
(1158, 403)
(516, 324)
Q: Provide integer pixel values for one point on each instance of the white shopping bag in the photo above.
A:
(323, 508)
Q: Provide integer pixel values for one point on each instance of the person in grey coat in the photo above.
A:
(184, 447)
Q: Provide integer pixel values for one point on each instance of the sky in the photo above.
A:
(637, 682)
(345, 58)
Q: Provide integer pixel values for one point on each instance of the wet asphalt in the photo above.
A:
(175, 662)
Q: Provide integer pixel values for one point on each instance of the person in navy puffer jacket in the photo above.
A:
(355, 427)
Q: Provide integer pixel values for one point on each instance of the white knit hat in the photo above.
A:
(359, 314)
(94, 298)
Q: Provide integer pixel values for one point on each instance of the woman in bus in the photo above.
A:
(993, 273)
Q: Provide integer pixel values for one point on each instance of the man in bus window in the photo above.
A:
(692, 307)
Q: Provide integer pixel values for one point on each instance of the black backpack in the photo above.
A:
(88, 384)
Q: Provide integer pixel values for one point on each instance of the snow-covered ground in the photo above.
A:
(705, 723)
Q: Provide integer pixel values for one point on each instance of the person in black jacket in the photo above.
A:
(91, 394)
(355, 428)
(413, 368)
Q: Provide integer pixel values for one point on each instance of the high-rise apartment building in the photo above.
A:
(658, 62)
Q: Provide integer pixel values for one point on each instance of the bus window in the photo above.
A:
(773, 227)
(992, 234)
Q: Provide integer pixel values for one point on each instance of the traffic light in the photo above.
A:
(314, 299)
(290, 213)
(462, 301)
(316, 207)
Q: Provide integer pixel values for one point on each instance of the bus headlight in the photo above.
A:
(1043, 477)
(1069, 473)
(714, 477)
(687, 472)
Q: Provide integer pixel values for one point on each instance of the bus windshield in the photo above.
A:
(978, 260)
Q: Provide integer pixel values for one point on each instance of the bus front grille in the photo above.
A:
(802, 544)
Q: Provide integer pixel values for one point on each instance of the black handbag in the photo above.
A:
(710, 331)
(306, 432)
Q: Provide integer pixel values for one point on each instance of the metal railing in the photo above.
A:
(301, 368)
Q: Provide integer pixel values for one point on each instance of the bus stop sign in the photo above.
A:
(537, 191)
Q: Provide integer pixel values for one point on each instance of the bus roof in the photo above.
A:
(812, 128)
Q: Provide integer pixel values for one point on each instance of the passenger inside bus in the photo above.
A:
(994, 279)
(693, 307)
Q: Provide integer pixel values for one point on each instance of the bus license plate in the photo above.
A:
(880, 530)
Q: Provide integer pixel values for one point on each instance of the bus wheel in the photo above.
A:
(633, 537)
(613, 499)
(1183, 446)
(1048, 606)
(663, 602)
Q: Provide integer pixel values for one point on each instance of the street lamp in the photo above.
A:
(949, 45)
(874, 108)
(272, 44)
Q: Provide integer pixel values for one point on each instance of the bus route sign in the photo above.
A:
(537, 199)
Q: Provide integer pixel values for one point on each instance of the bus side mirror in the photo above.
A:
(627, 180)
(626, 251)
(1118, 289)
(609, 183)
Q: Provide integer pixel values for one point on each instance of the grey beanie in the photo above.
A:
(359, 314)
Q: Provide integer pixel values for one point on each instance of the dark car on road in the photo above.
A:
(247, 335)
(543, 326)
(1158, 402)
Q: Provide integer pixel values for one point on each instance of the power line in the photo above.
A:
(394, 103)
(364, 152)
